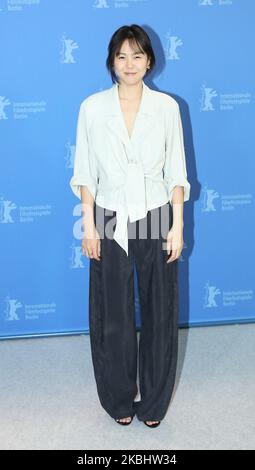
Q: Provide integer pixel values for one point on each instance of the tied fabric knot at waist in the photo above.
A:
(134, 202)
(128, 199)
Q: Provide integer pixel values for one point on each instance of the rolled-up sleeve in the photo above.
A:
(175, 172)
(84, 173)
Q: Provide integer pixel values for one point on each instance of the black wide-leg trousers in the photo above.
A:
(113, 336)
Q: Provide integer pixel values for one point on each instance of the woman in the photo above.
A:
(130, 174)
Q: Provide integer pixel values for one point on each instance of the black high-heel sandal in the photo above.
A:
(125, 423)
(154, 425)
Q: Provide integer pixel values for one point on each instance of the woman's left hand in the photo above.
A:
(175, 242)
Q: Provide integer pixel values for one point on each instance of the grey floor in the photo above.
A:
(48, 397)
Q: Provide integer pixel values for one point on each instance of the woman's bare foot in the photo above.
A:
(125, 420)
(151, 422)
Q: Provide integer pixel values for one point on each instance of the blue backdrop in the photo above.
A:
(52, 56)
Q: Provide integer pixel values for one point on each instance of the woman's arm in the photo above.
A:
(177, 204)
(91, 241)
(84, 185)
(87, 201)
(175, 172)
(175, 240)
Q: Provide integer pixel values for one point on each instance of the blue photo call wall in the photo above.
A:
(53, 56)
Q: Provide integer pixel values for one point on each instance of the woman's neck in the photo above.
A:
(130, 92)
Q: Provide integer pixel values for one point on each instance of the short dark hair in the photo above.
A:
(136, 36)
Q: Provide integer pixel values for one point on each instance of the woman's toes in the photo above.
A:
(125, 420)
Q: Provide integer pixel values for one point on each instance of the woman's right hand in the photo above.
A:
(91, 243)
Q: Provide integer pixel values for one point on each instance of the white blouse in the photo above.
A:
(129, 175)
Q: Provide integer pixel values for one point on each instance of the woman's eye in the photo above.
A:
(136, 57)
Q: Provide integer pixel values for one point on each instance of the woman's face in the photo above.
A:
(131, 64)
